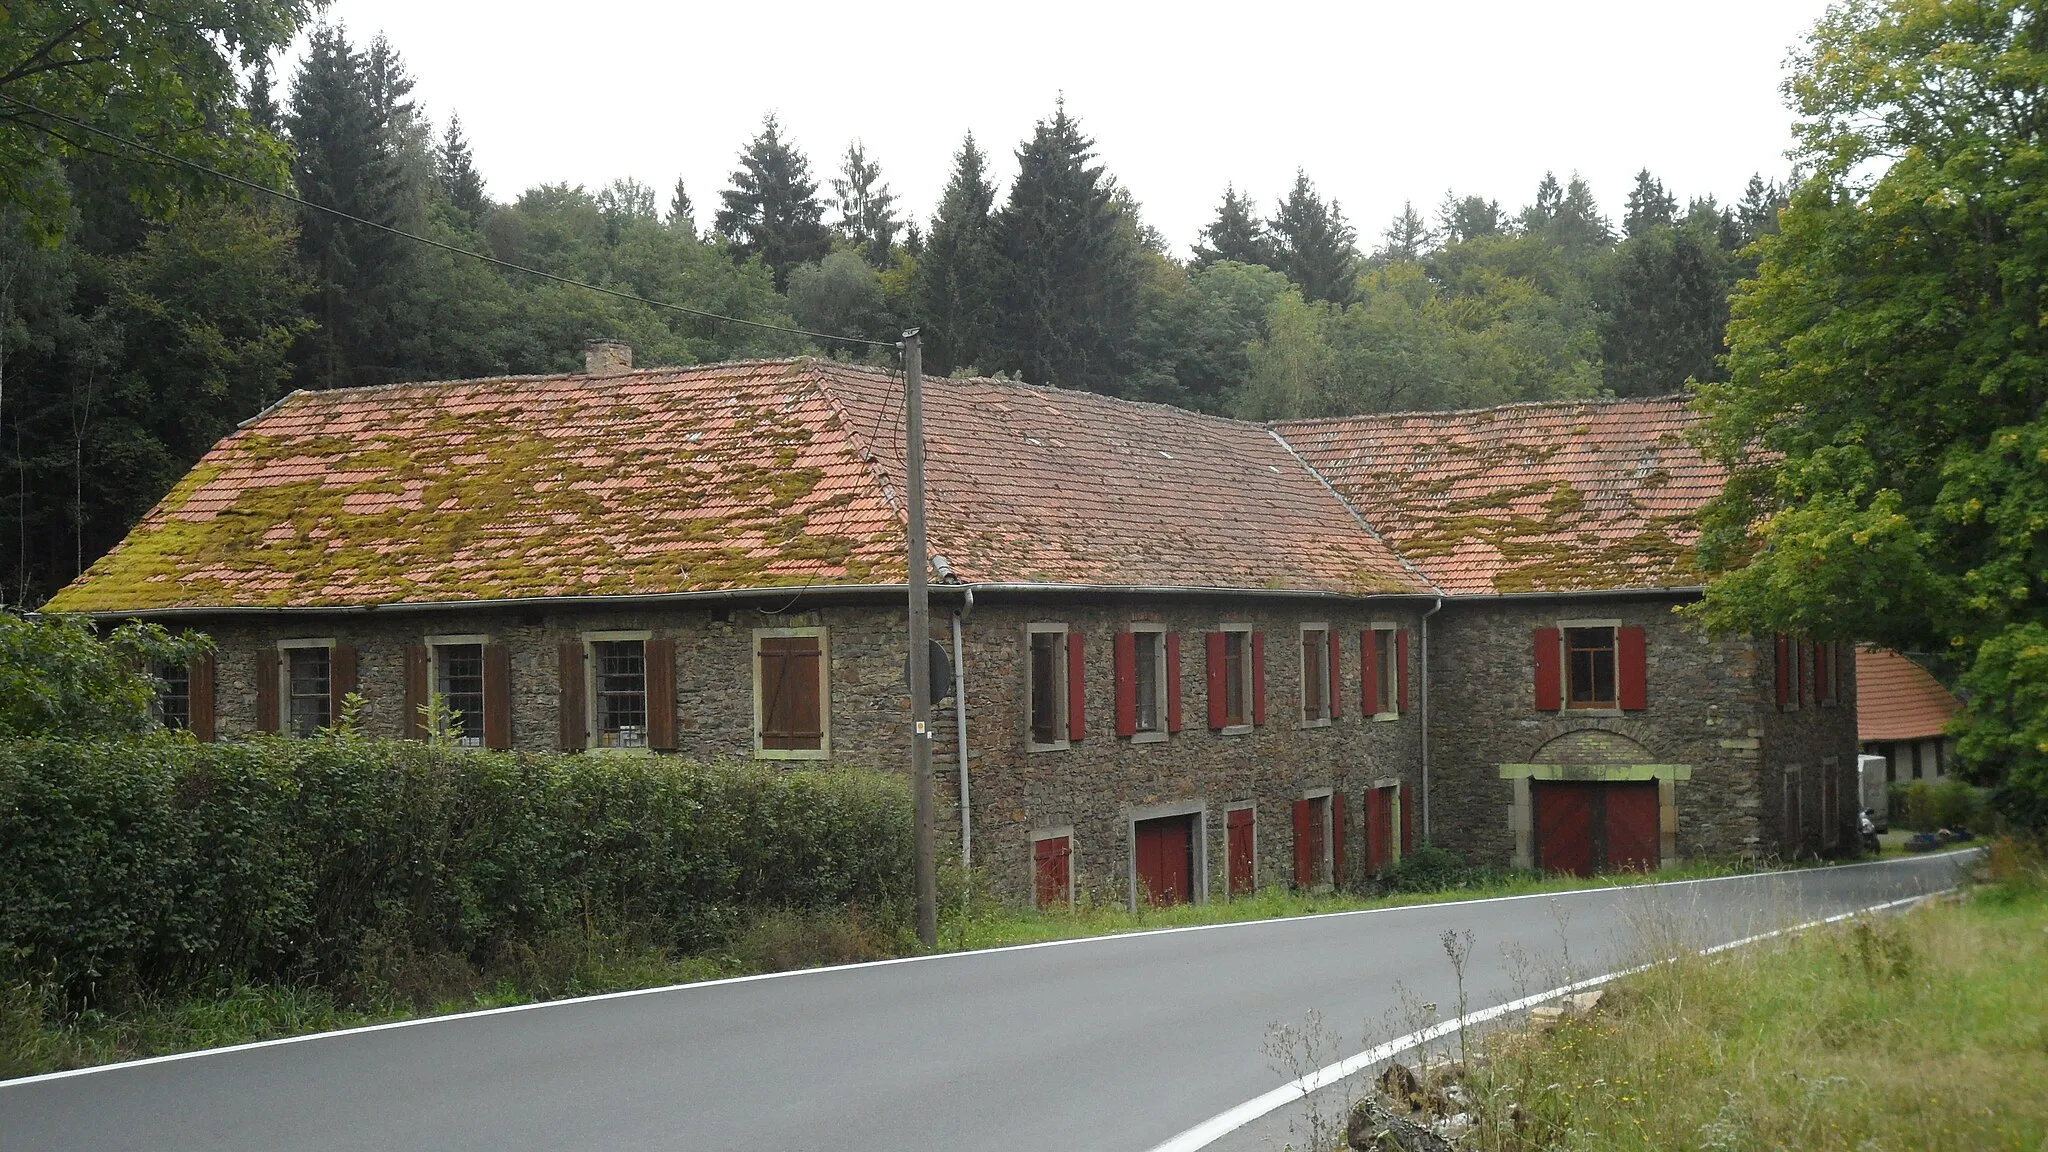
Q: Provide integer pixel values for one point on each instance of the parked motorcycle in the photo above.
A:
(1867, 825)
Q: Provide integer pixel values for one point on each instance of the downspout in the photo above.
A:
(960, 735)
(1425, 717)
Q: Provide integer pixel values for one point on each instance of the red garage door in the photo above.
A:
(1166, 859)
(1585, 828)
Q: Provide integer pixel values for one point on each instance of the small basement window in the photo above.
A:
(1046, 685)
(458, 679)
(792, 706)
(1590, 664)
(619, 692)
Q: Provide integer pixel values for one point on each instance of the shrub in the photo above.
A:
(1923, 805)
(58, 676)
(1427, 869)
(155, 863)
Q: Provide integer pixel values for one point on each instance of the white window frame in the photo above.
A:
(590, 640)
(1564, 666)
(824, 749)
(284, 679)
(1058, 832)
(1246, 677)
(1329, 689)
(434, 645)
(1059, 671)
(1154, 634)
(1386, 640)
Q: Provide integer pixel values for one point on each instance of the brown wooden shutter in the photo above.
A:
(200, 701)
(341, 678)
(1549, 678)
(1336, 838)
(1631, 659)
(805, 669)
(1124, 672)
(1401, 670)
(1258, 678)
(1173, 681)
(1784, 672)
(1304, 845)
(1077, 697)
(497, 697)
(661, 695)
(1407, 824)
(1369, 656)
(1336, 688)
(1219, 664)
(416, 693)
(266, 690)
(570, 697)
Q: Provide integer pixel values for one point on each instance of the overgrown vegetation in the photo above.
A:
(1924, 806)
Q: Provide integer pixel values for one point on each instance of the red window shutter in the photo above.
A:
(1217, 700)
(341, 678)
(497, 697)
(575, 731)
(1124, 672)
(1369, 656)
(1304, 846)
(1631, 658)
(1337, 838)
(414, 722)
(1407, 824)
(266, 690)
(661, 695)
(1401, 668)
(1077, 708)
(1258, 678)
(1549, 677)
(1336, 686)
(1173, 715)
(201, 702)
(1784, 671)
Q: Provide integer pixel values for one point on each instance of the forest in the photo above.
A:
(143, 315)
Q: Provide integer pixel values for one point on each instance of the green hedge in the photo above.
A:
(151, 864)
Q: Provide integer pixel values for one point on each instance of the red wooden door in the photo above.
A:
(1379, 829)
(1564, 826)
(1631, 826)
(1053, 859)
(1166, 864)
(1238, 847)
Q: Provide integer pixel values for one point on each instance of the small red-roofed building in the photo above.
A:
(1902, 713)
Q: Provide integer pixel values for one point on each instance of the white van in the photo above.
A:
(1874, 790)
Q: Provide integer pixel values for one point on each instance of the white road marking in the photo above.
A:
(1223, 1123)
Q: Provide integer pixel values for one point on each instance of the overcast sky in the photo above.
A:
(1379, 102)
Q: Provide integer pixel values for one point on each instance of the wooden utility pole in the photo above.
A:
(920, 666)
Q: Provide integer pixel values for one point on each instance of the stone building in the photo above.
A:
(1194, 654)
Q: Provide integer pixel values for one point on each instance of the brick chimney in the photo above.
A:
(607, 357)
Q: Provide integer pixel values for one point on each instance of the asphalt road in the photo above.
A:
(1115, 1043)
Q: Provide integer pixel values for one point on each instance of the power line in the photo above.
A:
(427, 240)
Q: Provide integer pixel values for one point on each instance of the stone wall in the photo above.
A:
(1816, 738)
(1096, 786)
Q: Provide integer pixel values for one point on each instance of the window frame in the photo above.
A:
(434, 644)
(284, 683)
(1059, 688)
(1247, 718)
(1386, 642)
(590, 711)
(824, 749)
(1149, 635)
(1564, 642)
(1321, 672)
(157, 710)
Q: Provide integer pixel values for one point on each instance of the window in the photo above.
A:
(458, 680)
(791, 694)
(1148, 675)
(1047, 685)
(1589, 661)
(1237, 676)
(174, 700)
(1315, 674)
(1383, 654)
(619, 690)
(309, 671)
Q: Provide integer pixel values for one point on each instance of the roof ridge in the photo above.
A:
(1518, 405)
(531, 377)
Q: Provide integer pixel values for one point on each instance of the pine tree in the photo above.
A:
(1757, 214)
(1069, 264)
(1469, 217)
(772, 208)
(260, 102)
(1407, 239)
(1236, 234)
(955, 285)
(681, 213)
(460, 181)
(867, 209)
(1567, 217)
(1649, 206)
(1314, 246)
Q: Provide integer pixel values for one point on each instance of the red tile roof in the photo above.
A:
(758, 474)
(1897, 699)
(1555, 496)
